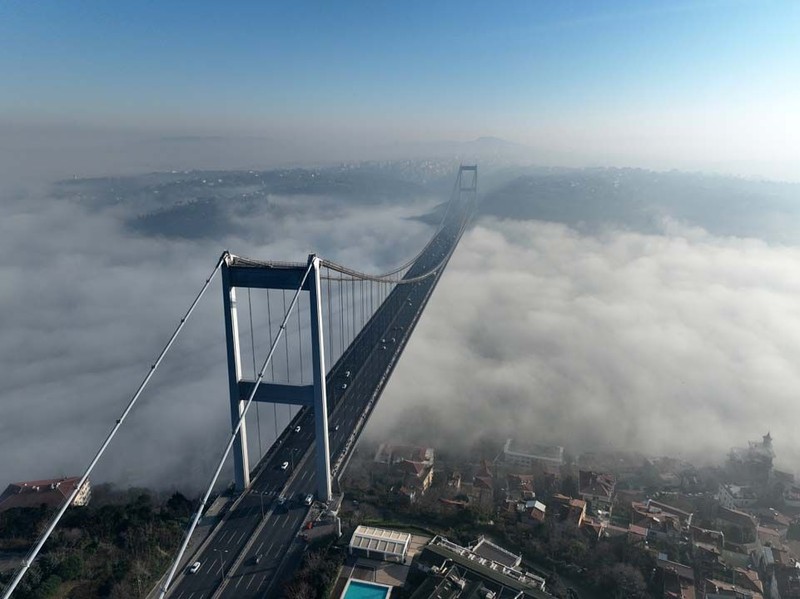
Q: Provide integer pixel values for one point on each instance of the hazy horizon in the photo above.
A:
(709, 86)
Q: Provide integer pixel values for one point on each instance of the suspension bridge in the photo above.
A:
(323, 338)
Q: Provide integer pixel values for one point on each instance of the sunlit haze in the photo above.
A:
(692, 85)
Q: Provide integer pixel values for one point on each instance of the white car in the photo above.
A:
(309, 499)
(284, 466)
(297, 429)
(344, 386)
(195, 567)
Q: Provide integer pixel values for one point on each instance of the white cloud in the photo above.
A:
(678, 344)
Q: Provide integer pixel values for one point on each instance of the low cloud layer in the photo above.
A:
(675, 341)
(681, 343)
(88, 304)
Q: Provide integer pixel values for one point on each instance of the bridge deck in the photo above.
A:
(259, 525)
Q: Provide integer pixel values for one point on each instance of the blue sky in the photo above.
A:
(685, 76)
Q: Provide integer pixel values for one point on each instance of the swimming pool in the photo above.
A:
(358, 589)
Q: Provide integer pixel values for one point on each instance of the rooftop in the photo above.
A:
(381, 540)
(546, 452)
(489, 550)
(33, 493)
(492, 573)
(597, 484)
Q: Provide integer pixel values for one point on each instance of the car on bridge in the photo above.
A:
(194, 568)
(308, 500)
(284, 466)
(297, 429)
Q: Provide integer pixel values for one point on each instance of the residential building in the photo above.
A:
(738, 527)
(519, 487)
(391, 453)
(50, 492)
(501, 581)
(485, 548)
(752, 465)
(530, 456)
(661, 520)
(407, 469)
(567, 509)
(736, 497)
(720, 589)
(791, 496)
(597, 490)
(678, 579)
(416, 475)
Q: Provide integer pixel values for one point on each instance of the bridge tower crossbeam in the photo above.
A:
(237, 274)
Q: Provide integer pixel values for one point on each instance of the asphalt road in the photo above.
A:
(370, 361)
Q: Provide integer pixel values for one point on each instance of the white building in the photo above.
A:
(532, 455)
(735, 497)
(380, 543)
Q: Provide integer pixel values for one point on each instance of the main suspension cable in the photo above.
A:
(29, 559)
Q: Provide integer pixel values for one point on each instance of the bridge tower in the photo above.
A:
(239, 273)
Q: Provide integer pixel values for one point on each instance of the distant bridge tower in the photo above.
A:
(246, 274)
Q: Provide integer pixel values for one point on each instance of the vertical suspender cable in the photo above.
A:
(353, 301)
(235, 432)
(253, 346)
(341, 316)
(330, 320)
(347, 314)
(272, 368)
(28, 561)
(286, 343)
(300, 341)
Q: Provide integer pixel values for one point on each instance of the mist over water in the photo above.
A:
(597, 309)
(681, 343)
(91, 299)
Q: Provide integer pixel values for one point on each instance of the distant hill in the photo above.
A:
(641, 200)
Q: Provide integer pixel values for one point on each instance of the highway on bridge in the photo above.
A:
(229, 566)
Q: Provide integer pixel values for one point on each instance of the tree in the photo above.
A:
(179, 506)
(625, 582)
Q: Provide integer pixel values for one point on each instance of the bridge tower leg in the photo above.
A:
(241, 463)
(323, 469)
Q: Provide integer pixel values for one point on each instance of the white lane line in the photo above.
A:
(241, 537)
(259, 547)
(250, 580)
(269, 550)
